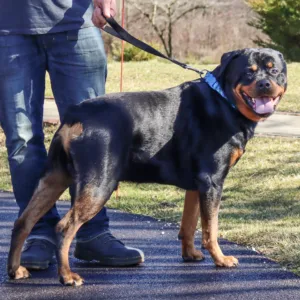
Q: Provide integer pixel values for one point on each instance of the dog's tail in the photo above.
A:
(59, 157)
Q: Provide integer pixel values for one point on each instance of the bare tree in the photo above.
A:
(201, 35)
(163, 15)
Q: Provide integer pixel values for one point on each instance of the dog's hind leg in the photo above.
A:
(97, 174)
(190, 217)
(50, 187)
(88, 202)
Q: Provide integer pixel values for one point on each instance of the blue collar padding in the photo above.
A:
(211, 80)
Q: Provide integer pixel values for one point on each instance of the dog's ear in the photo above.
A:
(226, 58)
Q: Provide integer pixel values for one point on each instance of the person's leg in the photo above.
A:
(21, 111)
(77, 68)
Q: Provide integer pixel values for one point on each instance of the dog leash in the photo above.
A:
(118, 31)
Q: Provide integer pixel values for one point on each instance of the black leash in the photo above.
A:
(119, 32)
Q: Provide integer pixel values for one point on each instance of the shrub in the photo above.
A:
(280, 20)
(131, 53)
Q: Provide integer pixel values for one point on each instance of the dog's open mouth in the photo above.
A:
(261, 105)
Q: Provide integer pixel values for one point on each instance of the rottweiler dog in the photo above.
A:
(188, 136)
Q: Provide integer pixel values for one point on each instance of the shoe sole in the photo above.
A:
(112, 262)
(37, 265)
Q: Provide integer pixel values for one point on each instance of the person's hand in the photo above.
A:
(102, 8)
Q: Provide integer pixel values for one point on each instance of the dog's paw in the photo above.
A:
(192, 255)
(20, 273)
(227, 262)
(71, 279)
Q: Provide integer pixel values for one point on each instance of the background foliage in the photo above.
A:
(280, 20)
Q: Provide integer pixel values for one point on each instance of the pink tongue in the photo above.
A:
(264, 105)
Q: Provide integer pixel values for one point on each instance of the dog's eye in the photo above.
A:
(251, 70)
(274, 71)
(250, 73)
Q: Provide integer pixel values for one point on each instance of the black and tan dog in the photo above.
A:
(188, 136)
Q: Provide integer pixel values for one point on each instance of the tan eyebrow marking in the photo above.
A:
(254, 68)
(270, 64)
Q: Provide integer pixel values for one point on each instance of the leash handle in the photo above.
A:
(117, 31)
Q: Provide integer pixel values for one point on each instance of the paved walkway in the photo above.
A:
(279, 124)
(162, 276)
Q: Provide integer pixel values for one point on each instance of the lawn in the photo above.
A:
(158, 74)
(261, 206)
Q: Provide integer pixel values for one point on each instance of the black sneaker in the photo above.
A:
(108, 251)
(38, 254)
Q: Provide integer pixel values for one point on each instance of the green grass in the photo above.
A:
(291, 102)
(158, 74)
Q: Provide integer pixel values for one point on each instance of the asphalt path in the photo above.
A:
(162, 276)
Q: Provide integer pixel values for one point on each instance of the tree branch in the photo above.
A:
(197, 7)
(151, 19)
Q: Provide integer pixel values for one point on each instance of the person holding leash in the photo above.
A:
(60, 37)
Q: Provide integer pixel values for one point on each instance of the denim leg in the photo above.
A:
(77, 68)
(22, 86)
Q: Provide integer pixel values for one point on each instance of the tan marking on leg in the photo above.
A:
(21, 273)
(235, 156)
(68, 133)
(210, 240)
(83, 210)
(190, 217)
(18, 237)
(68, 228)
(50, 187)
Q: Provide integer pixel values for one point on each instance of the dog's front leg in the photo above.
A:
(188, 227)
(210, 198)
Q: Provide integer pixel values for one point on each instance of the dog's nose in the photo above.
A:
(263, 85)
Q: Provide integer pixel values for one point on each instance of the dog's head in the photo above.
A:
(253, 79)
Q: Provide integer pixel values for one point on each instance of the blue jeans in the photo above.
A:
(76, 63)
